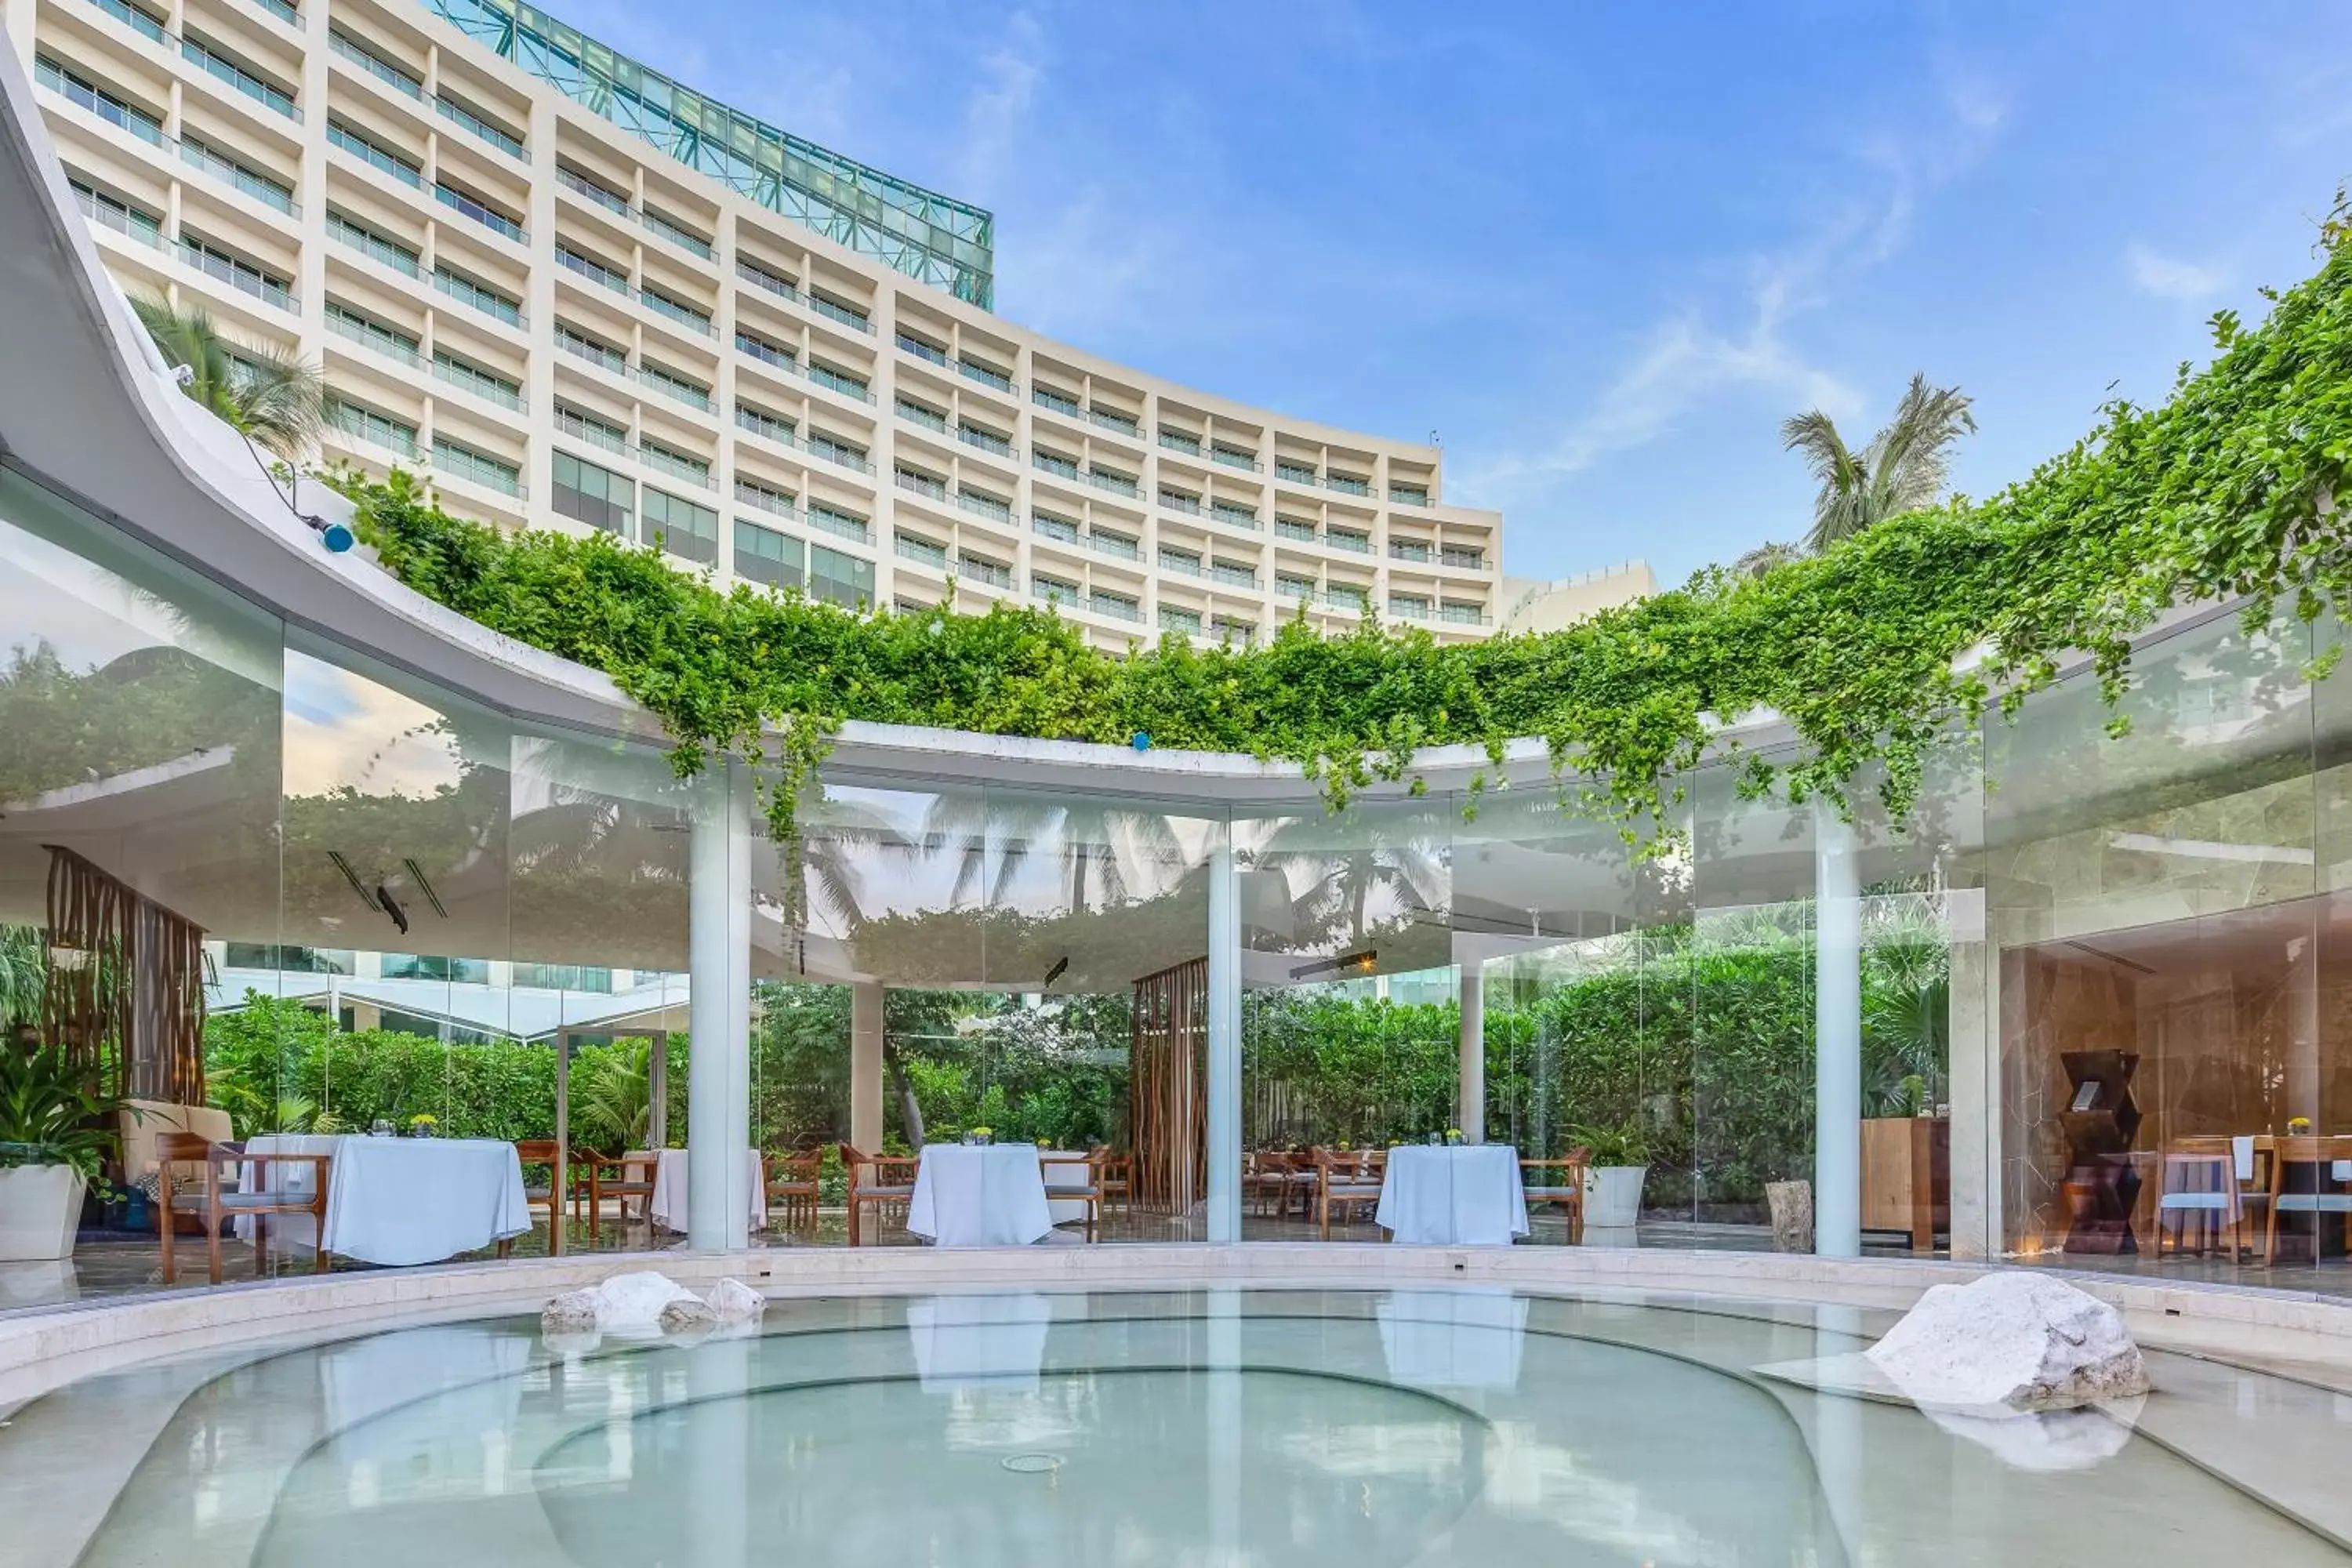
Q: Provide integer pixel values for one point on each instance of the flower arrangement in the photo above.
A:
(2298, 1126)
(424, 1126)
(981, 1135)
(1453, 1137)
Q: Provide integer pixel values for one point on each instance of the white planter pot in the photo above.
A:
(1612, 1195)
(40, 1207)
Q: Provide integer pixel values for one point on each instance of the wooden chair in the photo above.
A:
(874, 1182)
(793, 1187)
(1074, 1179)
(547, 1151)
(1563, 1188)
(1265, 1180)
(1118, 1177)
(2320, 1156)
(231, 1199)
(632, 1178)
(1346, 1178)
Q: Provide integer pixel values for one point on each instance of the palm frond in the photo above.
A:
(276, 397)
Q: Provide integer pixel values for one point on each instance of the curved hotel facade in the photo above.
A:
(585, 296)
(280, 834)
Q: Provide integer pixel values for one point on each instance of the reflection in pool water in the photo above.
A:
(1289, 1429)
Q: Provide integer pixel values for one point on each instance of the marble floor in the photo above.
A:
(113, 1265)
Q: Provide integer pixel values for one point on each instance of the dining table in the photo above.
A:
(1464, 1194)
(668, 1203)
(979, 1194)
(399, 1201)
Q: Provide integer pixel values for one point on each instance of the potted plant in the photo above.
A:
(55, 1127)
(1619, 1164)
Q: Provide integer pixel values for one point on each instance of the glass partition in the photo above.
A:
(2162, 961)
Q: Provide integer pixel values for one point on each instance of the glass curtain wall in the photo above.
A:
(2168, 990)
(933, 961)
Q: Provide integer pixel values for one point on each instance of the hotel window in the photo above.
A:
(364, 423)
(683, 528)
(1412, 607)
(597, 497)
(763, 555)
(839, 579)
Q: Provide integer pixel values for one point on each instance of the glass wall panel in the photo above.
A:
(1545, 912)
(2161, 977)
(599, 846)
(1351, 1034)
(139, 785)
(1750, 972)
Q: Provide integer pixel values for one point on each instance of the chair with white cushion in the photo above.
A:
(236, 1185)
(2212, 1182)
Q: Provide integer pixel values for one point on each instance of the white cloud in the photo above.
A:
(1684, 364)
(999, 106)
(2171, 277)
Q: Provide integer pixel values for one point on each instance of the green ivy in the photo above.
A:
(2226, 491)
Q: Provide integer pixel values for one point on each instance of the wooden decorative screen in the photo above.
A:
(1168, 1093)
(125, 987)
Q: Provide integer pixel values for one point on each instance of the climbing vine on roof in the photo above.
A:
(2225, 490)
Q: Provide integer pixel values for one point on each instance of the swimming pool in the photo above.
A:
(1278, 1427)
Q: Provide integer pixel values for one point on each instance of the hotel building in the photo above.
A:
(585, 296)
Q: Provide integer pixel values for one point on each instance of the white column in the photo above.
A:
(1471, 1115)
(1975, 1073)
(1225, 1204)
(719, 1011)
(1837, 1036)
(866, 1066)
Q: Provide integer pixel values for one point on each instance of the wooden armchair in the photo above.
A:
(793, 1187)
(875, 1179)
(1072, 1178)
(632, 1177)
(1117, 1175)
(1559, 1182)
(1346, 1178)
(2196, 1182)
(227, 1194)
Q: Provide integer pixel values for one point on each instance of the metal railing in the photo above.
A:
(480, 382)
(676, 388)
(986, 440)
(833, 380)
(987, 375)
(685, 315)
(842, 314)
(1176, 501)
(590, 269)
(693, 471)
(369, 335)
(980, 503)
(374, 65)
(459, 202)
(759, 277)
(922, 349)
(267, 192)
(375, 157)
(487, 472)
(685, 240)
(244, 280)
(919, 550)
(223, 69)
(1233, 460)
(581, 184)
(466, 120)
(466, 291)
(122, 220)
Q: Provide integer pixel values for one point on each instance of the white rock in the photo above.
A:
(2014, 1341)
(621, 1304)
(687, 1314)
(574, 1313)
(736, 1302)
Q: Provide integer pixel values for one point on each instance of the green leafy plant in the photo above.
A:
(273, 397)
(2226, 491)
(52, 1111)
(1616, 1143)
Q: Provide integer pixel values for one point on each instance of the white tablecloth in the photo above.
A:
(974, 1196)
(669, 1190)
(1454, 1339)
(400, 1201)
(1468, 1195)
(961, 1341)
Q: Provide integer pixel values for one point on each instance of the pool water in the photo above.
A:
(1288, 1429)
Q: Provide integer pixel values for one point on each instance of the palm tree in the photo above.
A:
(273, 397)
(1901, 470)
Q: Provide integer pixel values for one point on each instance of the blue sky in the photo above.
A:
(1601, 250)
